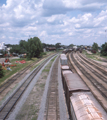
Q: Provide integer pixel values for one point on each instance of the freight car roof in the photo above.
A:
(63, 57)
(66, 72)
(65, 67)
(75, 83)
(86, 107)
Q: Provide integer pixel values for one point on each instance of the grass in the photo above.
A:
(94, 56)
(53, 58)
(45, 70)
(17, 68)
(42, 85)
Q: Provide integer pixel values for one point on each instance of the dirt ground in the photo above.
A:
(31, 107)
(88, 52)
(3, 59)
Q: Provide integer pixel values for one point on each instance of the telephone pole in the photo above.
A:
(105, 35)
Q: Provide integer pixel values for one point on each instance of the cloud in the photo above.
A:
(65, 21)
(52, 7)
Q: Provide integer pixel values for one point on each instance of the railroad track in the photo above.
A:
(96, 65)
(11, 102)
(52, 104)
(70, 65)
(94, 69)
(14, 78)
(101, 88)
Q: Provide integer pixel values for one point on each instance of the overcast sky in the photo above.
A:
(79, 22)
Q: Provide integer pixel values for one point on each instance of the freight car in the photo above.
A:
(81, 104)
(63, 59)
(64, 65)
(79, 99)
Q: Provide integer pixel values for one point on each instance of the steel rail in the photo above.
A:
(14, 78)
(96, 65)
(11, 102)
(99, 87)
(101, 76)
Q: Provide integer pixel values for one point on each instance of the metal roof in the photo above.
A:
(84, 107)
(66, 72)
(64, 67)
(75, 83)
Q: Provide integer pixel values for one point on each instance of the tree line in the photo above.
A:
(33, 47)
(103, 48)
(34, 44)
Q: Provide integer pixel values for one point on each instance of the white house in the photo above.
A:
(3, 47)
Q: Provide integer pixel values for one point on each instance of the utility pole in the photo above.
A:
(105, 35)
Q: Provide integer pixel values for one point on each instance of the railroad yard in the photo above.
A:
(62, 87)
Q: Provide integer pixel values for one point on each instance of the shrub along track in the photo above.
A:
(92, 76)
(15, 77)
(11, 102)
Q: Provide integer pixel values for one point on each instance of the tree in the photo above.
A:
(71, 45)
(1, 72)
(33, 47)
(58, 45)
(104, 49)
(3, 52)
(95, 47)
(17, 49)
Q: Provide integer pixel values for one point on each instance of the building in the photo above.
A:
(3, 47)
(50, 49)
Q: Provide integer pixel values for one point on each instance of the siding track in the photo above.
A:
(52, 103)
(10, 104)
(94, 73)
(14, 78)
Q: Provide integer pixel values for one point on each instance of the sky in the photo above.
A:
(79, 22)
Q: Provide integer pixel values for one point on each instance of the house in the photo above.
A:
(3, 47)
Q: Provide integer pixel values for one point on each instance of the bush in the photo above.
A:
(44, 53)
(1, 72)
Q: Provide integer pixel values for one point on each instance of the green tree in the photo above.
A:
(71, 45)
(95, 47)
(1, 72)
(17, 49)
(33, 47)
(58, 45)
(104, 49)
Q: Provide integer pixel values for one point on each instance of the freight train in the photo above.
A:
(81, 104)
(73, 49)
